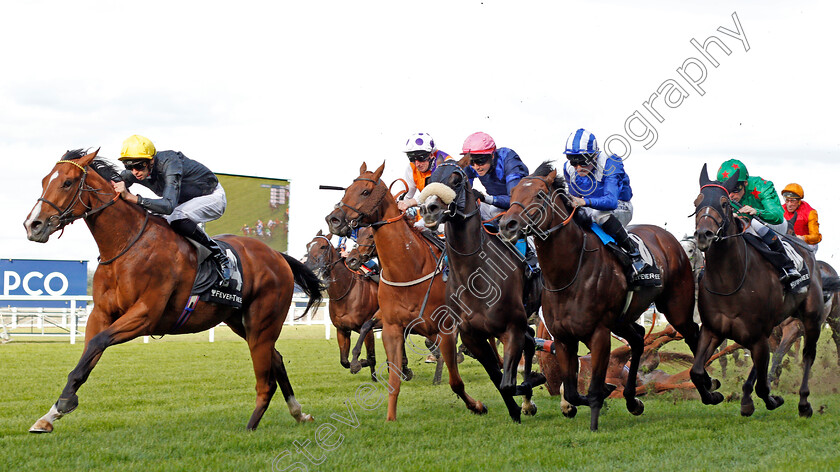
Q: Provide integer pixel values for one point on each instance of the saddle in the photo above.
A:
(778, 261)
(206, 285)
(650, 277)
(434, 238)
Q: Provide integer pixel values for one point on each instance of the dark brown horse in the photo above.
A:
(586, 294)
(411, 288)
(353, 298)
(486, 287)
(143, 286)
(741, 298)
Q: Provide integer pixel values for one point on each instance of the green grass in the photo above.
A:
(181, 403)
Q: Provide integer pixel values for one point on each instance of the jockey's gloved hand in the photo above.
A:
(484, 198)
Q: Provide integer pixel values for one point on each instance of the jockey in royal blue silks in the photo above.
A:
(600, 189)
(499, 170)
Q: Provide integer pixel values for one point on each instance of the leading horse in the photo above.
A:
(741, 298)
(586, 294)
(411, 288)
(143, 286)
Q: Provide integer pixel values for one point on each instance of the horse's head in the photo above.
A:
(712, 209)
(62, 200)
(362, 203)
(533, 203)
(321, 255)
(365, 249)
(448, 193)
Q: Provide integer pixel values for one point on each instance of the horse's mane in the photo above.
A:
(546, 168)
(102, 167)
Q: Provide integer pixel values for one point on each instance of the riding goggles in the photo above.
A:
(480, 159)
(135, 165)
(421, 156)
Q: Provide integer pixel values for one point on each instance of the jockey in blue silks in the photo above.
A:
(600, 189)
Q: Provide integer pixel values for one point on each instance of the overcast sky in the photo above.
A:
(307, 91)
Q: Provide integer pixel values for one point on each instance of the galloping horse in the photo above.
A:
(353, 298)
(486, 284)
(411, 289)
(143, 286)
(741, 298)
(586, 295)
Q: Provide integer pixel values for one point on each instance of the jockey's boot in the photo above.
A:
(190, 229)
(531, 259)
(789, 272)
(614, 228)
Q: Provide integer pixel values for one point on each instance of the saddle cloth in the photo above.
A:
(651, 276)
(207, 277)
(776, 259)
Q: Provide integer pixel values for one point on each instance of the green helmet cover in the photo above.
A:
(730, 167)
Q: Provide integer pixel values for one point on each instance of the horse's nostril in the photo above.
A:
(512, 225)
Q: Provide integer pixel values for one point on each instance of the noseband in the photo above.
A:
(378, 192)
(65, 216)
(722, 224)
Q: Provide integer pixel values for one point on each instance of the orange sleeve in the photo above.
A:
(813, 236)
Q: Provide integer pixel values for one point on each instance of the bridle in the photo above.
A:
(327, 264)
(723, 223)
(457, 205)
(545, 203)
(378, 193)
(65, 216)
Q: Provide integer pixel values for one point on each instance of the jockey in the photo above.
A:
(499, 170)
(801, 216)
(758, 197)
(190, 193)
(423, 159)
(600, 190)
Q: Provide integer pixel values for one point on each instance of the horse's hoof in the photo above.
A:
(480, 409)
(529, 409)
(715, 384)
(608, 389)
(536, 379)
(747, 409)
(805, 411)
(345, 364)
(305, 418)
(408, 374)
(460, 358)
(774, 401)
(639, 409)
(44, 426)
(67, 405)
(714, 398)
(355, 367)
(570, 412)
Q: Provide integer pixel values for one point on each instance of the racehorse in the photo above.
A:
(791, 329)
(486, 285)
(353, 298)
(144, 279)
(746, 308)
(586, 294)
(411, 288)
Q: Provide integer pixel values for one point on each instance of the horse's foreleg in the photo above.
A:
(567, 359)
(634, 334)
(448, 350)
(600, 347)
(127, 327)
(834, 323)
(706, 346)
(747, 405)
(791, 332)
(760, 353)
(483, 350)
(342, 336)
(370, 347)
(530, 379)
(392, 338)
(355, 365)
(809, 353)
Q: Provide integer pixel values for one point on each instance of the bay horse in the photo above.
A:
(411, 288)
(486, 287)
(586, 295)
(143, 286)
(741, 298)
(353, 298)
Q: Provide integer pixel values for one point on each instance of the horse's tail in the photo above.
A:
(307, 281)
(830, 284)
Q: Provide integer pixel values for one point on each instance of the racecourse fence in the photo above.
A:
(71, 321)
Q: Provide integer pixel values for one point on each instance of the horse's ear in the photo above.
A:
(328, 236)
(320, 233)
(704, 176)
(378, 172)
(698, 200)
(731, 182)
(363, 169)
(552, 175)
(86, 159)
(464, 162)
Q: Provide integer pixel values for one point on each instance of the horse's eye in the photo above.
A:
(67, 184)
(365, 192)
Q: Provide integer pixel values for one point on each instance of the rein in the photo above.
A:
(66, 215)
(722, 226)
(125, 249)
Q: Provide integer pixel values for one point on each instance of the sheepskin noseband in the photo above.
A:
(446, 194)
